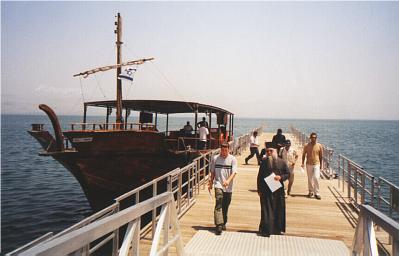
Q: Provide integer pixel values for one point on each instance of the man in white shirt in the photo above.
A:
(253, 147)
(203, 132)
(223, 171)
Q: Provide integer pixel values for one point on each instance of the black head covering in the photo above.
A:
(270, 145)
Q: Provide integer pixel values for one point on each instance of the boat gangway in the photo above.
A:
(355, 215)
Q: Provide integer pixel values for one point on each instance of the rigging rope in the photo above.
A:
(99, 87)
(168, 83)
(81, 89)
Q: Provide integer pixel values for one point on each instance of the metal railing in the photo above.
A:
(364, 241)
(359, 184)
(77, 241)
(111, 126)
(183, 183)
(242, 143)
(361, 187)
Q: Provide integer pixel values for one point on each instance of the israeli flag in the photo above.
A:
(127, 74)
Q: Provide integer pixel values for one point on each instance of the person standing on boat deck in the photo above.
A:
(290, 156)
(203, 132)
(313, 152)
(272, 204)
(223, 135)
(253, 147)
(279, 139)
(188, 129)
(223, 171)
(203, 122)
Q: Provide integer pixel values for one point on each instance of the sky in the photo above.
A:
(316, 60)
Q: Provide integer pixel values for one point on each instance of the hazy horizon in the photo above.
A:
(188, 116)
(267, 60)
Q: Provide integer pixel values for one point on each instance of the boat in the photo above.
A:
(111, 158)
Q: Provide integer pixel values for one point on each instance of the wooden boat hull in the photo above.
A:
(109, 164)
(105, 176)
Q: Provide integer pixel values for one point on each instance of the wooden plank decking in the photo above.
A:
(328, 218)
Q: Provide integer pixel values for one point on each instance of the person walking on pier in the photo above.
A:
(253, 147)
(272, 218)
(279, 139)
(313, 152)
(223, 171)
(289, 155)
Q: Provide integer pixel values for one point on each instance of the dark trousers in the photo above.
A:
(201, 144)
(223, 200)
(254, 151)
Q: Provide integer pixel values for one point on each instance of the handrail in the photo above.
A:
(361, 186)
(364, 239)
(111, 126)
(78, 239)
(183, 183)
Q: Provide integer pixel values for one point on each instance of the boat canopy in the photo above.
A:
(160, 106)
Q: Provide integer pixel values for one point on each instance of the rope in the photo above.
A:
(81, 89)
(168, 83)
(99, 87)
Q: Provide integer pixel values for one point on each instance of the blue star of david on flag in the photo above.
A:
(127, 74)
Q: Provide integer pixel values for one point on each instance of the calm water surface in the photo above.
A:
(38, 195)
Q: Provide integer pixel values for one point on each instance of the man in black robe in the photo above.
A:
(272, 204)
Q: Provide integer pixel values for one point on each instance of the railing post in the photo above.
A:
(179, 193)
(154, 211)
(169, 184)
(372, 191)
(343, 174)
(339, 171)
(188, 185)
(197, 178)
(355, 169)
(115, 240)
(363, 182)
(349, 179)
(166, 225)
(390, 200)
(379, 195)
(395, 247)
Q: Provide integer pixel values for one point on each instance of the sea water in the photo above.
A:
(38, 195)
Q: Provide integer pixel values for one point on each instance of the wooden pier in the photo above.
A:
(314, 227)
(328, 218)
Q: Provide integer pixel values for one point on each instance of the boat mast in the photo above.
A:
(118, 32)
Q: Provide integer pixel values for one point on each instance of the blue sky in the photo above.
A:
(259, 59)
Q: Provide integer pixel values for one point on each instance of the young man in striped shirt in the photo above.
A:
(223, 171)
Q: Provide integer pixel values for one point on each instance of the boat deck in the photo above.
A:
(328, 218)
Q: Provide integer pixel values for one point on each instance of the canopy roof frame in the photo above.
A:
(160, 106)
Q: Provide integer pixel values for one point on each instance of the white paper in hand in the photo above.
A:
(302, 170)
(272, 183)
